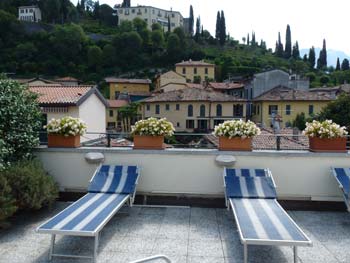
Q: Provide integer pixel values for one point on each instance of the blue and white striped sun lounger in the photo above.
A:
(342, 175)
(259, 217)
(110, 188)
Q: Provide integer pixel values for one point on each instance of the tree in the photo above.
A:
(253, 39)
(305, 59)
(288, 46)
(337, 68)
(222, 29)
(94, 57)
(191, 21)
(322, 60)
(126, 3)
(345, 64)
(53, 10)
(169, 24)
(248, 41)
(295, 52)
(300, 121)
(129, 114)
(157, 38)
(312, 57)
(324, 79)
(106, 15)
(173, 47)
(198, 28)
(156, 26)
(338, 110)
(20, 121)
(279, 47)
(108, 55)
(218, 24)
(96, 12)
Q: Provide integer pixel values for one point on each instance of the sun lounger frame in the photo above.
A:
(96, 233)
(346, 200)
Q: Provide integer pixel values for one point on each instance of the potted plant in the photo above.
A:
(326, 136)
(236, 135)
(150, 133)
(65, 132)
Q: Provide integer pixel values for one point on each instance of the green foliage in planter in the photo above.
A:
(20, 121)
(7, 202)
(31, 185)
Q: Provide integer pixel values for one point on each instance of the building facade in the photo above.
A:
(195, 69)
(29, 13)
(286, 103)
(151, 15)
(84, 102)
(193, 109)
(136, 89)
(113, 118)
(167, 78)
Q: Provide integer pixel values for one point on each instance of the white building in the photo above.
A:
(151, 15)
(84, 102)
(29, 13)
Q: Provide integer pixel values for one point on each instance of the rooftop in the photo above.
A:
(194, 63)
(183, 234)
(192, 94)
(120, 80)
(117, 103)
(225, 85)
(287, 94)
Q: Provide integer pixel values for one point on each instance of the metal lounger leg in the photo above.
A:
(53, 237)
(96, 247)
(295, 254)
(245, 252)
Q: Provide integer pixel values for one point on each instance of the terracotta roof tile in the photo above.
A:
(117, 103)
(69, 95)
(225, 86)
(66, 79)
(192, 94)
(120, 80)
(287, 94)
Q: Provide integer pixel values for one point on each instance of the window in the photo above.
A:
(273, 109)
(190, 111)
(219, 110)
(121, 11)
(146, 20)
(145, 10)
(183, 70)
(178, 124)
(172, 15)
(288, 109)
(172, 24)
(110, 125)
(177, 106)
(30, 10)
(152, 11)
(189, 124)
(238, 110)
(202, 111)
(22, 11)
(258, 109)
(148, 107)
(195, 71)
(116, 95)
(217, 122)
(167, 107)
(133, 11)
(311, 109)
(206, 71)
(157, 109)
(110, 113)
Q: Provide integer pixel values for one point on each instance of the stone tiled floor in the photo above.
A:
(192, 235)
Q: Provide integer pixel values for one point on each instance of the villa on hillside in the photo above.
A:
(196, 69)
(29, 13)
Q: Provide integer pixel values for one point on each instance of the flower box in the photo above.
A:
(327, 145)
(149, 142)
(235, 144)
(58, 140)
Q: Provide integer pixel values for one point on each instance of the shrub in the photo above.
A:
(67, 126)
(326, 129)
(7, 202)
(30, 185)
(153, 127)
(20, 121)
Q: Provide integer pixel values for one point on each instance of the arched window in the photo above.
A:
(219, 110)
(190, 110)
(202, 111)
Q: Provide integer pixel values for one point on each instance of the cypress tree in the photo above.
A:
(312, 57)
(345, 64)
(296, 52)
(305, 58)
(217, 31)
(322, 60)
(222, 29)
(248, 41)
(338, 65)
(191, 21)
(253, 39)
(288, 47)
(169, 25)
(198, 28)
(202, 31)
(279, 47)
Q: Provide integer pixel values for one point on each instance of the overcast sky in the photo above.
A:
(310, 20)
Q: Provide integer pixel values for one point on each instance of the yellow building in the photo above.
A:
(191, 69)
(137, 87)
(170, 77)
(112, 116)
(194, 109)
(287, 103)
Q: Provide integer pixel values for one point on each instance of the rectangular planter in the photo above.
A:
(327, 145)
(235, 144)
(60, 141)
(149, 142)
